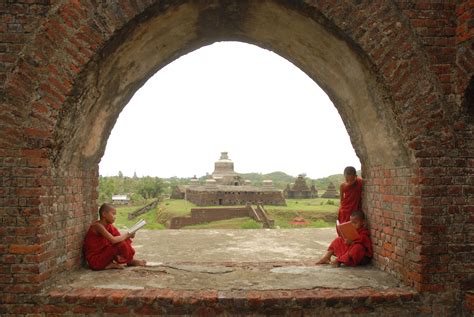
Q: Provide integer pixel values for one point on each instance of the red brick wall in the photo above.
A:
(391, 207)
(421, 215)
(465, 21)
(464, 46)
(435, 24)
(18, 20)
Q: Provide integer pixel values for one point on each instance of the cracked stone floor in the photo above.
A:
(262, 259)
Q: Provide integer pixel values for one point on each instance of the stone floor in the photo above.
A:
(265, 259)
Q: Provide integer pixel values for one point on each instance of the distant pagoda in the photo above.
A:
(331, 192)
(300, 190)
(227, 188)
(224, 173)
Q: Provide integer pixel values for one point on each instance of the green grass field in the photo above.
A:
(319, 212)
(121, 220)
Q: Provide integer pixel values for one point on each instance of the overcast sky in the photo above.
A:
(234, 97)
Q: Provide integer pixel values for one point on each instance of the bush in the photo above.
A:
(330, 202)
(137, 198)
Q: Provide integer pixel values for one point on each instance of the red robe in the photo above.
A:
(352, 255)
(100, 252)
(351, 200)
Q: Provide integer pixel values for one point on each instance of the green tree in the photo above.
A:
(106, 189)
(150, 187)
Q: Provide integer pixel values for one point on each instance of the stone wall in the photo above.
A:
(234, 197)
(397, 72)
(201, 215)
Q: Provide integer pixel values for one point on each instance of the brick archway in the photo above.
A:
(85, 62)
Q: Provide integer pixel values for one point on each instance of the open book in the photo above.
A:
(347, 230)
(137, 226)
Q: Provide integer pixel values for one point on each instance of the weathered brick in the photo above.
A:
(422, 55)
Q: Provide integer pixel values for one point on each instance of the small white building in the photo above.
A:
(120, 199)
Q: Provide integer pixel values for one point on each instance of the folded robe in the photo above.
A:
(100, 252)
(352, 255)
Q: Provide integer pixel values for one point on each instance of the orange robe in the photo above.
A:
(351, 200)
(100, 252)
(351, 255)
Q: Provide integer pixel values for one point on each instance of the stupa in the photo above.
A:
(300, 190)
(224, 173)
(331, 192)
(226, 188)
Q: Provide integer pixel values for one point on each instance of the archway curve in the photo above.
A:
(392, 60)
(361, 101)
(75, 102)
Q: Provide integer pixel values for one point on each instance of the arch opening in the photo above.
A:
(332, 63)
(339, 68)
(234, 96)
(159, 35)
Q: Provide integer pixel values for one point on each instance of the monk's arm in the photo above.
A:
(112, 239)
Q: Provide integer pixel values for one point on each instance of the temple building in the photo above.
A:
(300, 190)
(226, 188)
(178, 192)
(330, 192)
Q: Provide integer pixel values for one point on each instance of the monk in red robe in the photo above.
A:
(351, 252)
(351, 193)
(104, 246)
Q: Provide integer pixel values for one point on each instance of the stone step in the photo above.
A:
(317, 302)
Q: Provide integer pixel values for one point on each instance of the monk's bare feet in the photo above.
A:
(335, 263)
(137, 263)
(114, 266)
(323, 260)
(326, 259)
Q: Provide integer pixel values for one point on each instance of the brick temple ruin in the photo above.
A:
(330, 192)
(300, 190)
(227, 188)
(399, 72)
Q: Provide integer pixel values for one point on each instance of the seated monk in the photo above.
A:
(348, 252)
(104, 246)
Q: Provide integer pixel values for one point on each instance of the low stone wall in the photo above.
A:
(143, 210)
(200, 215)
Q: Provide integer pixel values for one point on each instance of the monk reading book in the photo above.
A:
(104, 246)
(351, 252)
(351, 193)
(347, 230)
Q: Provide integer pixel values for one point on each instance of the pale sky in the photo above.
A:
(234, 97)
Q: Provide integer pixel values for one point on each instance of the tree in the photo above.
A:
(106, 189)
(150, 187)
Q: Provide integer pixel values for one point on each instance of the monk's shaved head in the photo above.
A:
(358, 214)
(105, 208)
(350, 170)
